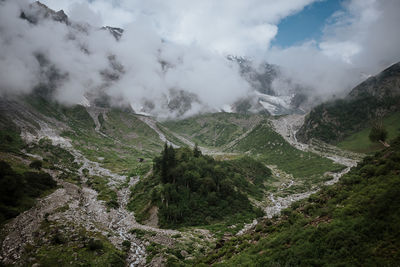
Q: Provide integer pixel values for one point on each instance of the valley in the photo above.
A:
(183, 133)
(94, 198)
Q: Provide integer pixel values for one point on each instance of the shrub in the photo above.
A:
(95, 244)
(36, 164)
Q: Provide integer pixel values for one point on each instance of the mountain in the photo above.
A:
(107, 196)
(375, 98)
(266, 97)
(103, 183)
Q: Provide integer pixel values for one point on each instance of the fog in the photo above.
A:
(179, 50)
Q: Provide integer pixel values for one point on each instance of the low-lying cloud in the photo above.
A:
(177, 49)
(359, 41)
(140, 67)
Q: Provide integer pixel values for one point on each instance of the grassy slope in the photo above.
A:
(20, 184)
(127, 138)
(213, 130)
(352, 223)
(269, 147)
(19, 191)
(56, 244)
(359, 142)
(218, 129)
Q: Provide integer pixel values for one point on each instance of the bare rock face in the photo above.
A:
(39, 11)
(385, 84)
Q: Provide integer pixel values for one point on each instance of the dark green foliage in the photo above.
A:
(100, 184)
(18, 191)
(54, 155)
(57, 244)
(95, 244)
(378, 132)
(126, 244)
(332, 122)
(36, 164)
(271, 148)
(352, 223)
(10, 139)
(255, 175)
(197, 190)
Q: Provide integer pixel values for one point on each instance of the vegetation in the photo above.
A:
(36, 164)
(19, 191)
(56, 244)
(378, 132)
(100, 184)
(121, 139)
(216, 129)
(352, 223)
(332, 122)
(10, 140)
(269, 147)
(360, 142)
(192, 189)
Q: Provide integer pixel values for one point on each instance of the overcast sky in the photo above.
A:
(328, 46)
(360, 36)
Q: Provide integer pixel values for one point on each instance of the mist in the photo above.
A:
(138, 68)
(171, 59)
(358, 42)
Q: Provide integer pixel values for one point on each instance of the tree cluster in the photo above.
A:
(196, 189)
(18, 191)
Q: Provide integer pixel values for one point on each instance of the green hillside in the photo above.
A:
(352, 223)
(193, 189)
(117, 145)
(270, 148)
(334, 121)
(359, 142)
(214, 129)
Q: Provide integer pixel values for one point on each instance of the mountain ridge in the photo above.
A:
(374, 98)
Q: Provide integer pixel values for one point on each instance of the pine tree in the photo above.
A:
(196, 151)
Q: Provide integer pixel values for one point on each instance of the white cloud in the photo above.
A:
(191, 36)
(361, 39)
(236, 27)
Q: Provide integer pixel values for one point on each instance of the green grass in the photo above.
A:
(10, 139)
(61, 245)
(127, 139)
(19, 191)
(333, 121)
(100, 184)
(359, 142)
(140, 198)
(269, 147)
(352, 223)
(170, 136)
(213, 130)
(124, 138)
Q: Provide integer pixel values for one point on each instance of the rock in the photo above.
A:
(184, 253)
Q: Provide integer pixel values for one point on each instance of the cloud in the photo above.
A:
(78, 59)
(229, 27)
(176, 49)
(360, 40)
